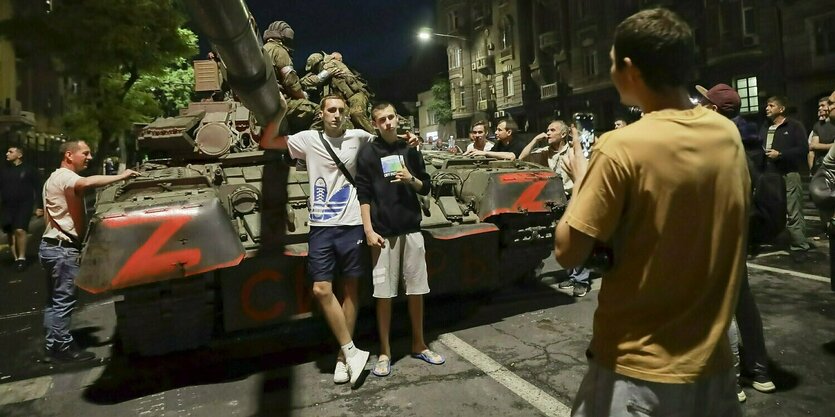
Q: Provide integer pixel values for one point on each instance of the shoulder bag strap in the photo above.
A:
(336, 159)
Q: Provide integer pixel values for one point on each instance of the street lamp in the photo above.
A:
(426, 34)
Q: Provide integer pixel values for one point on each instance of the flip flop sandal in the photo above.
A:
(429, 356)
(382, 368)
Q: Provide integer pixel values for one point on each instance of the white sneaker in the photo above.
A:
(356, 365)
(340, 373)
(740, 394)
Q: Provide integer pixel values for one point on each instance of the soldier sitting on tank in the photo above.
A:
(301, 112)
(334, 77)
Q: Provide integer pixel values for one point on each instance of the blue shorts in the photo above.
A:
(330, 247)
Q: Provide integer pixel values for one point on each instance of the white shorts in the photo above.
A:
(404, 256)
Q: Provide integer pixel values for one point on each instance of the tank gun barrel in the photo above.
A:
(228, 25)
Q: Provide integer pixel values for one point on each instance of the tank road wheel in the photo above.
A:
(166, 317)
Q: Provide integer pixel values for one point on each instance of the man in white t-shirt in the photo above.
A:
(63, 194)
(478, 135)
(337, 238)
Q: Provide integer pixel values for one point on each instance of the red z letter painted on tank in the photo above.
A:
(147, 262)
(528, 198)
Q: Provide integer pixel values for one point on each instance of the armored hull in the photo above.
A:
(189, 249)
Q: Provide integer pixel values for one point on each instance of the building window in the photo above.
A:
(455, 58)
(823, 32)
(510, 89)
(747, 89)
(431, 118)
(461, 95)
(507, 33)
(453, 20)
(749, 27)
(453, 103)
(590, 62)
(481, 14)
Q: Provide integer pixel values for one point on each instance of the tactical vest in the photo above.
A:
(280, 58)
(345, 85)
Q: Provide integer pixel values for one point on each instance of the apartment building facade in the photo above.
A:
(32, 93)
(535, 60)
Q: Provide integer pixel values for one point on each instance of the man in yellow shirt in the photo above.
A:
(669, 194)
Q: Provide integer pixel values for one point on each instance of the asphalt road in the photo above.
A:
(519, 352)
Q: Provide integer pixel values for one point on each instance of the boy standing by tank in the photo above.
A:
(390, 174)
(335, 240)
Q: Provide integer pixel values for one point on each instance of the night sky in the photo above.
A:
(376, 37)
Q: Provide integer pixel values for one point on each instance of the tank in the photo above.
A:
(487, 223)
(211, 241)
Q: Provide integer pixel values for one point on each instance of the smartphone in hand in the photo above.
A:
(585, 128)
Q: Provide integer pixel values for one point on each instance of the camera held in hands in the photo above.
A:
(585, 128)
(601, 259)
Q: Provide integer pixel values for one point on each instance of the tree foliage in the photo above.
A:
(127, 56)
(441, 105)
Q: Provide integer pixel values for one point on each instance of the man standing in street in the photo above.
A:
(823, 132)
(507, 145)
(389, 178)
(555, 151)
(63, 194)
(724, 100)
(784, 141)
(336, 240)
(20, 191)
(669, 195)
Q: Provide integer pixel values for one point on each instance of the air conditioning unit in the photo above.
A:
(548, 90)
(750, 40)
(479, 63)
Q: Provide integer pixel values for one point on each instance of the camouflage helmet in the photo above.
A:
(280, 30)
(313, 60)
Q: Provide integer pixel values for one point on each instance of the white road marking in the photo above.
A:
(779, 252)
(538, 398)
(786, 271)
(25, 390)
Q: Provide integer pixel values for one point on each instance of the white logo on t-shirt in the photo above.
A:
(325, 209)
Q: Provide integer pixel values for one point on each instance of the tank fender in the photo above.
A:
(522, 192)
(154, 244)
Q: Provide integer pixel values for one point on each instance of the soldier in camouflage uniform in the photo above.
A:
(301, 112)
(328, 72)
